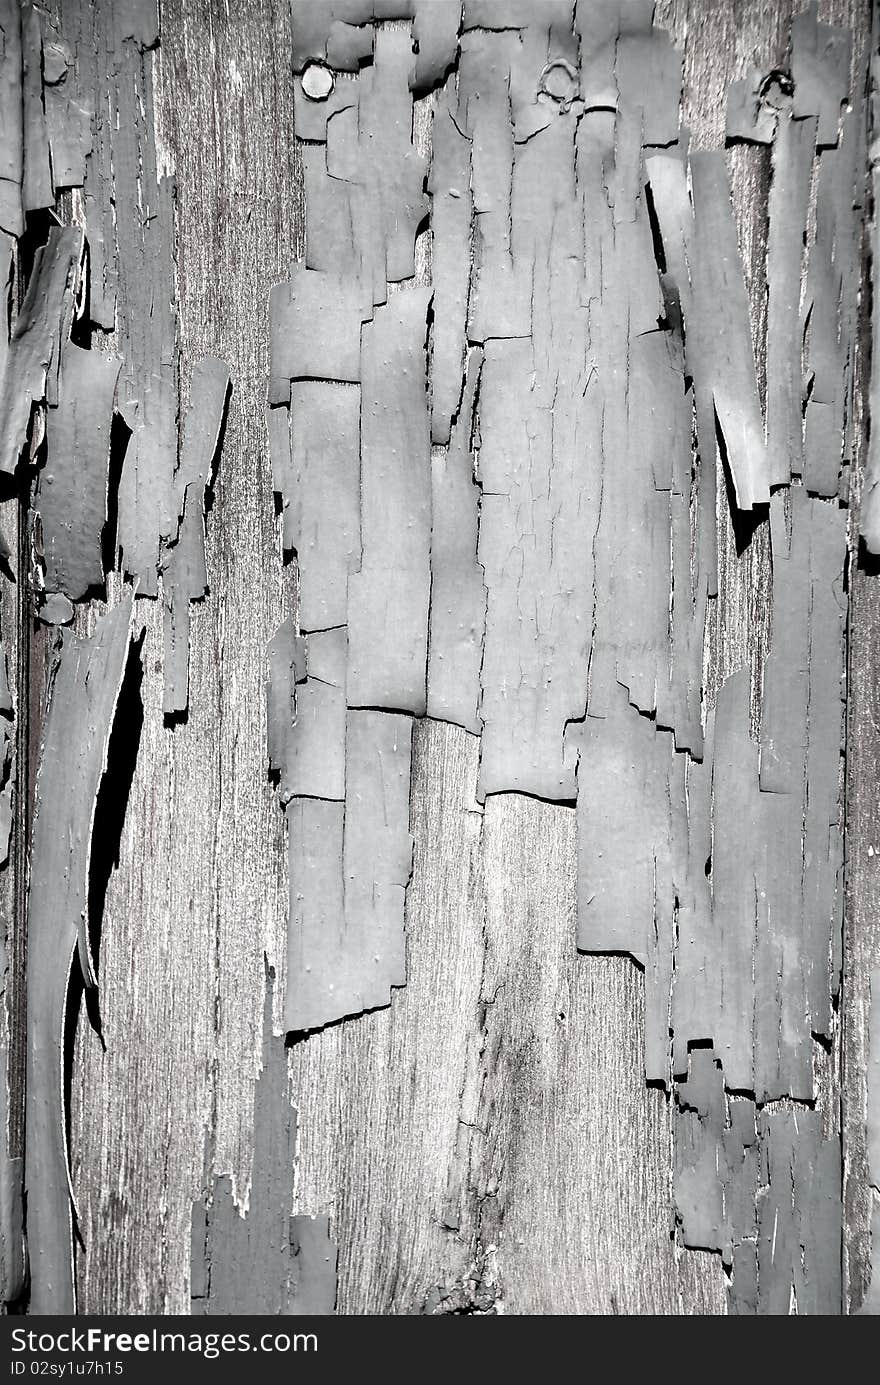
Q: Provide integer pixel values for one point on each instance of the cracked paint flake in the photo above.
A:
(11, 118)
(716, 1165)
(184, 569)
(133, 214)
(389, 594)
(799, 1216)
(261, 1258)
(763, 1188)
(820, 70)
(322, 516)
(451, 226)
(72, 487)
(316, 324)
(84, 687)
(831, 307)
(722, 358)
(349, 866)
(41, 332)
(306, 713)
(793, 149)
(458, 590)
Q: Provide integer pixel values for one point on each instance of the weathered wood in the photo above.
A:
(487, 1141)
(200, 893)
(472, 1140)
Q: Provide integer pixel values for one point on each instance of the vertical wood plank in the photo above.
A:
(487, 1142)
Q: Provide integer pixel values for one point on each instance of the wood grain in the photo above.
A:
(199, 895)
(487, 1143)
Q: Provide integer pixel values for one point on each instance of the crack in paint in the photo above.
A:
(543, 577)
(713, 860)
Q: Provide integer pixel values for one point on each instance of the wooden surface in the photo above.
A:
(488, 1141)
(199, 895)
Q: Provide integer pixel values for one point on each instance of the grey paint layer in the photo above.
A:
(388, 595)
(594, 527)
(322, 515)
(633, 672)
(42, 329)
(346, 929)
(458, 592)
(268, 1261)
(870, 504)
(84, 689)
(184, 571)
(72, 488)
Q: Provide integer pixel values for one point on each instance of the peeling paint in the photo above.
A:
(349, 865)
(871, 1304)
(40, 336)
(92, 433)
(184, 570)
(85, 684)
(869, 520)
(72, 488)
(507, 385)
(13, 1257)
(592, 384)
(262, 1259)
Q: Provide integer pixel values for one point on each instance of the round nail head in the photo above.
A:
(317, 82)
